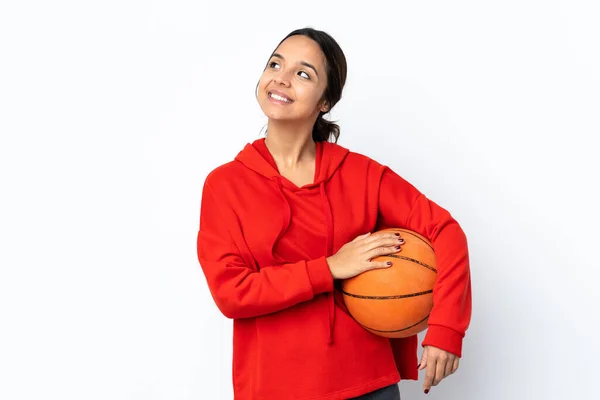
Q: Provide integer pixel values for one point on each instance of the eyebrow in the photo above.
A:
(301, 62)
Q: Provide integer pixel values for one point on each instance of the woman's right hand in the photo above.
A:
(355, 257)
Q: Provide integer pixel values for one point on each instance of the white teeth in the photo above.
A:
(277, 97)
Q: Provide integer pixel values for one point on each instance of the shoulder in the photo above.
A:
(363, 159)
(355, 159)
(224, 174)
(360, 164)
(221, 172)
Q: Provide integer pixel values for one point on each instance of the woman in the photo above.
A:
(290, 217)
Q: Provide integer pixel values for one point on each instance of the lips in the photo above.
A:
(279, 97)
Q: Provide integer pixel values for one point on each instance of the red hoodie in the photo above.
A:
(262, 245)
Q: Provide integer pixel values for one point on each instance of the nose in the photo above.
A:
(282, 79)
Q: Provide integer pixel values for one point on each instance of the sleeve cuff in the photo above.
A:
(444, 338)
(319, 275)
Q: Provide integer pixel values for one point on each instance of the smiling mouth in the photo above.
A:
(279, 98)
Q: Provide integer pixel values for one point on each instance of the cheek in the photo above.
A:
(310, 95)
(260, 92)
(263, 82)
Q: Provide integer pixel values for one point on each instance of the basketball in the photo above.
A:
(395, 302)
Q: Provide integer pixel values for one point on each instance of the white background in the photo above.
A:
(113, 112)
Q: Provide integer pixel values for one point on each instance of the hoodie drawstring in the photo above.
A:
(287, 216)
(330, 298)
(330, 156)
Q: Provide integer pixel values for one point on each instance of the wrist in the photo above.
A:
(331, 264)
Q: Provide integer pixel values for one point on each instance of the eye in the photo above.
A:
(273, 64)
(304, 75)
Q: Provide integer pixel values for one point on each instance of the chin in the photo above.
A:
(276, 114)
(278, 117)
(282, 114)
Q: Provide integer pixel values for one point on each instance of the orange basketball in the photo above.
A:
(395, 302)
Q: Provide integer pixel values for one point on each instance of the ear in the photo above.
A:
(325, 106)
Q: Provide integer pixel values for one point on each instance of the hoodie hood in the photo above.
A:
(329, 157)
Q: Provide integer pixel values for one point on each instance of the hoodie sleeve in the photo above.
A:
(402, 205)
(239, 290)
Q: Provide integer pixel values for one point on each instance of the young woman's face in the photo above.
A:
(293, 83)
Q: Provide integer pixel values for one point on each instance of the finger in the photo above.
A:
(374, 247)
(440, 369)
(429, 374)
(383, 239)
(356, 239)
(449, 366)
(455, 364)
(423, 362)
(378, 265)
(382, 251)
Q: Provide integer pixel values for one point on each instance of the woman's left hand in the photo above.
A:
(439, 364)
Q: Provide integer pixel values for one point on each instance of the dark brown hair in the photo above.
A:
(323, 129)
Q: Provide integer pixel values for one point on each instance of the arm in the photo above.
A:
(240, 291)
(402, 205)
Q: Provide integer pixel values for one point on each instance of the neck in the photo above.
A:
(290, 144)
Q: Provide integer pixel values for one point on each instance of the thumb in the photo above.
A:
(423, 362)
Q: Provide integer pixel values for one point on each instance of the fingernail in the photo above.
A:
(389, 263)
(419, 366)
(397, 247)
(426, 391)
(397, 234)
(401, 240)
